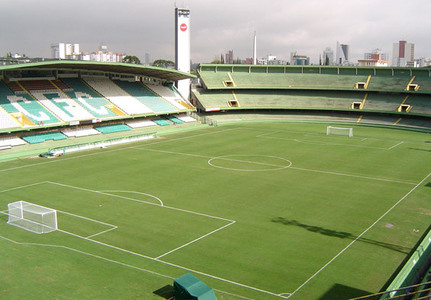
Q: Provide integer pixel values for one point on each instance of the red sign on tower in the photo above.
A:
(183, 27)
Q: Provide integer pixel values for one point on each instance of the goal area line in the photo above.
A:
(155, 259)
(112, 227)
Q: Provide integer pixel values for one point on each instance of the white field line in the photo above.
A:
(195, 240)
(88, 219)
(355, 176)
(252, 162)
(107, 260)
(144, 202)
(101, 232)
(395, 145)
(103, 193)
(173, 265)
(108, 151)
(295, 168)
(85, 253)
(113, 227)
(272, 131)
(360, 236)
(172, 152)
(164, 262)
(133, 192)
(320, 143)
(22, 186)
(189, 137)
(177, 209)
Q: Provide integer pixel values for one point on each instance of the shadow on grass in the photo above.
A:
(339, 234)
(166, 292)
(420, 149)
(339, 291)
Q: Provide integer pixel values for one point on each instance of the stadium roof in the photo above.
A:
(138, 70)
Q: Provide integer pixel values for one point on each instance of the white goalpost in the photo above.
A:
(32, 217)
(339, 130)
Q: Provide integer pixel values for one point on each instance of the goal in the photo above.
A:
(32, 217)
(339, 131)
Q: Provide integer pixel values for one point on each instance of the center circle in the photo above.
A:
(250, 163)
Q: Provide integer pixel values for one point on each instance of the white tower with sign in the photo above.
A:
(182, 48)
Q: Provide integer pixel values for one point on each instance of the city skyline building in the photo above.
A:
(328, 56)
(342, 54)
(403, 54)
(229, 57)
(299, 60)
(65, 51)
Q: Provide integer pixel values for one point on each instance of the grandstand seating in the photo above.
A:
(140, 123)
(420, 103)
(168, 94)
(117, 96)
(423, 82)
(280, 99)
(386, 90)
(313, 81)
(146, 97)
(162, 122)
(79, 132)
(37, 85)
(62, 106)
(386, 102)
(25, 104)
(11, 141)
(175, 120)
(42, 137)
(14, 87)
(213, 79)
(112, 128)
(186, 119)
(388, 83)
(6, 121)
(93, 102)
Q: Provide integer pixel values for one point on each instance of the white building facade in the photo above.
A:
(65, 51)
(342, 54)
(403, 54)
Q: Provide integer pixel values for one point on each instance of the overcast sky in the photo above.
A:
(136, 27)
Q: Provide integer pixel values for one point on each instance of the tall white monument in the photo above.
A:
(182, 48)
(254, 49)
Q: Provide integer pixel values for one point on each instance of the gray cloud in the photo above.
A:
(283, 26)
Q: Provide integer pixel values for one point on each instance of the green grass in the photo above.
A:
(252, 209)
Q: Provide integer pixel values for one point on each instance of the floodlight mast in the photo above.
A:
(254, 49)
(182, 48)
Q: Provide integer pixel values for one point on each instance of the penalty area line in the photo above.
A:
(195, 240)
(107, 260)
(390, 148)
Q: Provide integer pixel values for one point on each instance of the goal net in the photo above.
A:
(339, 131)
(32, 217)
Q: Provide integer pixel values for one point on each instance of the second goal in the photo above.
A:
(339, 131)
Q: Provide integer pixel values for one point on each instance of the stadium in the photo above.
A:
(268, 182)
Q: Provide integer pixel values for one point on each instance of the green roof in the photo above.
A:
(138, 70)
(190, 287)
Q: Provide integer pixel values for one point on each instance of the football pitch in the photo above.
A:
(259, 210)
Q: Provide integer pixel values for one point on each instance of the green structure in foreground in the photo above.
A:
(189, 287)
